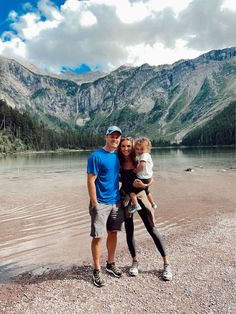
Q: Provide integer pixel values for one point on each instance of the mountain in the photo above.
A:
(163, 102)
(82, 77)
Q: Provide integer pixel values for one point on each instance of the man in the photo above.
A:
(105, 207)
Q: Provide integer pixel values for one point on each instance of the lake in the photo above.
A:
(44, 202)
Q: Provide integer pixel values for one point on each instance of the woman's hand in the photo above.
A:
(139, 184)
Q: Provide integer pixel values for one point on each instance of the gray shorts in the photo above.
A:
(105, 218)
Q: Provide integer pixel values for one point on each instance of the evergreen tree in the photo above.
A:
(218, 131)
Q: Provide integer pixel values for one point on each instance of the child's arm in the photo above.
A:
(140, 167)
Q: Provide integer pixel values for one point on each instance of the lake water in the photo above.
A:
(44, 203)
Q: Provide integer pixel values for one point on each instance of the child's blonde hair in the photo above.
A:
(143, 141)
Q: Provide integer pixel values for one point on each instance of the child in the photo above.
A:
(143, 170)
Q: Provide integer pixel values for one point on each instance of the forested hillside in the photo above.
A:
(218, 131)
(21, 131)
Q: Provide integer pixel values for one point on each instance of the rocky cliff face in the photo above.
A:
(24, 88)
(166, 101)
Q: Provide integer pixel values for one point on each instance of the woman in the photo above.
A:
(127, 158)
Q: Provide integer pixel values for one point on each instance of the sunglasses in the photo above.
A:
(128, 138)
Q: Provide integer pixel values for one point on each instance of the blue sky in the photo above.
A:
(6, 6)
(85, 35)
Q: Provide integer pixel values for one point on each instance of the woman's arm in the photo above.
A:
(139, 184)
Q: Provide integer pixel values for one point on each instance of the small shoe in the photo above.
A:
(134, 208)
(133, 271)
(167, 275)
(112, 269)
(154, 205)
(98, 281)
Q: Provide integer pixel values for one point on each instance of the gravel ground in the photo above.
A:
(203, 263)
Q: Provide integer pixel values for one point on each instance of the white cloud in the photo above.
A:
(87, 19)
(14, 48)
(30, 26)
(176, 6)
(229, 4)
(107, 34)
(147, 54)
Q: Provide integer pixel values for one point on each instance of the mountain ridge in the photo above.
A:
(164, 101)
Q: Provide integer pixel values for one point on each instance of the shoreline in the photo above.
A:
(62, 150)
(203, 263)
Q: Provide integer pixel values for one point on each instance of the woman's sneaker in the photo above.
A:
(111, 268)
(97, 279)
(167, 275)
(134, 208)
(133, 271)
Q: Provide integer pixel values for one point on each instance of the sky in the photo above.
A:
(101, 35)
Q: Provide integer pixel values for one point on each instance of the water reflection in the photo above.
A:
(181, 158)
(44, 202)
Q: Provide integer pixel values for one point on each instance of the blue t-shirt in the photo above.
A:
(106, 166)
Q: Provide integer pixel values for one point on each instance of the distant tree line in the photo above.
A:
(218, 131)
(23, 131)
(37, 136)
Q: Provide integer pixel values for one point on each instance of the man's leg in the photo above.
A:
(111, 246)
(96, 247)
(111, 250)
(114, 224)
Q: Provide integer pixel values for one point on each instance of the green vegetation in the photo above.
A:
(126, 117)
(172, 92)
(157, 111)
(218, 131)
(204, 99)
(21, 131)
(40, 92)
(10, 144)
(177, 106)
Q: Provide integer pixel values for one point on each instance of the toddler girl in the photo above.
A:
(143, 170)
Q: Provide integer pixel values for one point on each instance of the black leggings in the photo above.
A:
(129, 228)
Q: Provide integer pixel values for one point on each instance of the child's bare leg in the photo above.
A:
(151, 200)
(134, 199)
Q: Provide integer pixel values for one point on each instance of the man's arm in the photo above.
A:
(92, 188)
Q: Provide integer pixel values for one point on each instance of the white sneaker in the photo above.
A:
(133, 271)
(154, 205)
(167, 275)
(134, 208)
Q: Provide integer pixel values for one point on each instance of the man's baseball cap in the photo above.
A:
(112, 129)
